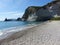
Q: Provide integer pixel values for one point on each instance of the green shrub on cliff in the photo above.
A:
(55, 18)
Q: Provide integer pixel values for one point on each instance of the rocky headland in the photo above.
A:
(42, 13)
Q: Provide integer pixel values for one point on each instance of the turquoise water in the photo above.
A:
(9, 24)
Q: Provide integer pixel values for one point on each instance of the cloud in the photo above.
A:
(12, 5)
(18, 14)
(10, 15)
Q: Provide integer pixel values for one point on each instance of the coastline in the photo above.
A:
(45, 30)
(10, 31)
(7, 34)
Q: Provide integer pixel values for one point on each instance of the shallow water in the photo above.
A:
(10, 24)
(10, 27)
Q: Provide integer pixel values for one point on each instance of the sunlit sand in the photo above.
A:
(45, 34)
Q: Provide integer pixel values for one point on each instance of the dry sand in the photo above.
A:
(46, 34)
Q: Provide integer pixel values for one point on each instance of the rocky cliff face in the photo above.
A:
(30, 13)
(34, 13)
(56, 8)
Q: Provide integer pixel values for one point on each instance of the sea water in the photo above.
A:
(10, 27)
(10, 24)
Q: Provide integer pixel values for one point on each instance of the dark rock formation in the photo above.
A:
(19, 19)
(6, 19)
(36, 14)
(10, 19)
(46, 12)
(43, 15)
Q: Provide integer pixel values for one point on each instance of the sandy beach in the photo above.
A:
(47, 33)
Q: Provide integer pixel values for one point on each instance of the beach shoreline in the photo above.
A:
(19, 32)
(46, 33)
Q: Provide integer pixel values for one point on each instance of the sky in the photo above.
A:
(16, 8)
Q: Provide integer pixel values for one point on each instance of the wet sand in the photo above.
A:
(45, 34)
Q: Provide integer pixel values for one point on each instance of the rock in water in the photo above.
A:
(19, 19)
